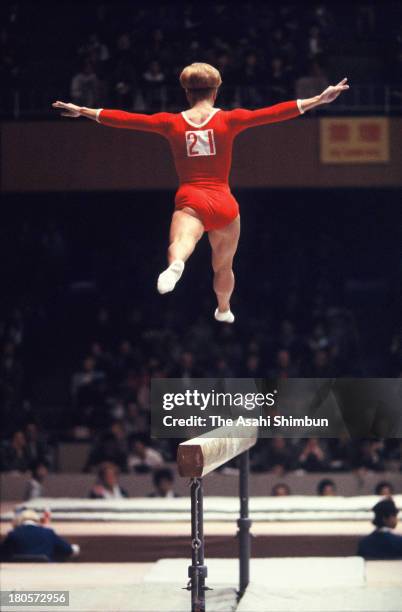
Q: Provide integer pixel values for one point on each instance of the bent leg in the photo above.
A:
(224, 245)
(185, 231)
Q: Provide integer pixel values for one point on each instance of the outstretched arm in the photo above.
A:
(241, 119)
(116, 118)
(68, 109)
(328, 95)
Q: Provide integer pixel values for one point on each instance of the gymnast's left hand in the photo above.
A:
(69, 110)
(333, 91)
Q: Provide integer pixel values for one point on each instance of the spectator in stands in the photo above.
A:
(321, 366)
(143, 458)
(85, 86)
(280, 489)
(316, 77)
(221, 369)
(154, 90)
(341, 453)
(288, 338)
(103, 359)
(284, 367)
(315, 42)
(275, 455)
(384, 489)
(124, 361)
(278, 82)
(30, 540)
(15, 455)
(107, 485)
(187, 367)
(11, 376)
(87, 392)
(370, 456)
(104, 328)
(326, 488)
(253, 367)
(251, 80)
(382, 543)
(124, 72)
(313, 457)
(163, 480)
(95, 50)
(34, 488)
(36, 443)
(318, 339)
(111, 447)
(135, 421)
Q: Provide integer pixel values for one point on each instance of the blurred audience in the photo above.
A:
(111, 446)
(35, 486)
(313, 457)
(84, 89)
(370, 455)
(107, 485)
(275, 455)
(280, 489)
(326, 488)
(133, 60)
(141, 457)
(15, 454)
(163, 480)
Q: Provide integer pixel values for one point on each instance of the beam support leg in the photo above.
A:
(244, 524)
(197, 571)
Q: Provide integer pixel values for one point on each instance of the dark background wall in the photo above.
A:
(80, 155)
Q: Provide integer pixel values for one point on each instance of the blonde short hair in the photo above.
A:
(25, 515)
(200, 76)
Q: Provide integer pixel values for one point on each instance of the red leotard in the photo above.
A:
(203, 153)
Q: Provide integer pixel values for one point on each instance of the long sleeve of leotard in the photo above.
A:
(157, 123)
(240, 119)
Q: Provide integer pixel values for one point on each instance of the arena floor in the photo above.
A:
(287, 585)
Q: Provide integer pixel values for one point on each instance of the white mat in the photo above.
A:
(293, 508)
(286, 573)
(349, 599)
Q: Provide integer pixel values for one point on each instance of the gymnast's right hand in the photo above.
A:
(69, 110)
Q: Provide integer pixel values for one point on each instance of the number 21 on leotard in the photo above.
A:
(200, 142)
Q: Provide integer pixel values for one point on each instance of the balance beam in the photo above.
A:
(200, 456)
(195, 459)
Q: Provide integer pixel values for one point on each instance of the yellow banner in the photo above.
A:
(363, 140)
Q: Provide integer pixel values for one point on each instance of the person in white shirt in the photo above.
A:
(34, 487)
(107, 485)
(143, 458)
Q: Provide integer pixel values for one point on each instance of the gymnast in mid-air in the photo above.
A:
(201, 140)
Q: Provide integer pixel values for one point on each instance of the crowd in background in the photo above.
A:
(90, 331)
(110, 404)
(33, 448)
(130, 56)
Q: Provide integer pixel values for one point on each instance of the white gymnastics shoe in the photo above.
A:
(168, 278)
(224, 317)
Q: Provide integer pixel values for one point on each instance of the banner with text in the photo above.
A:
(354, 140)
